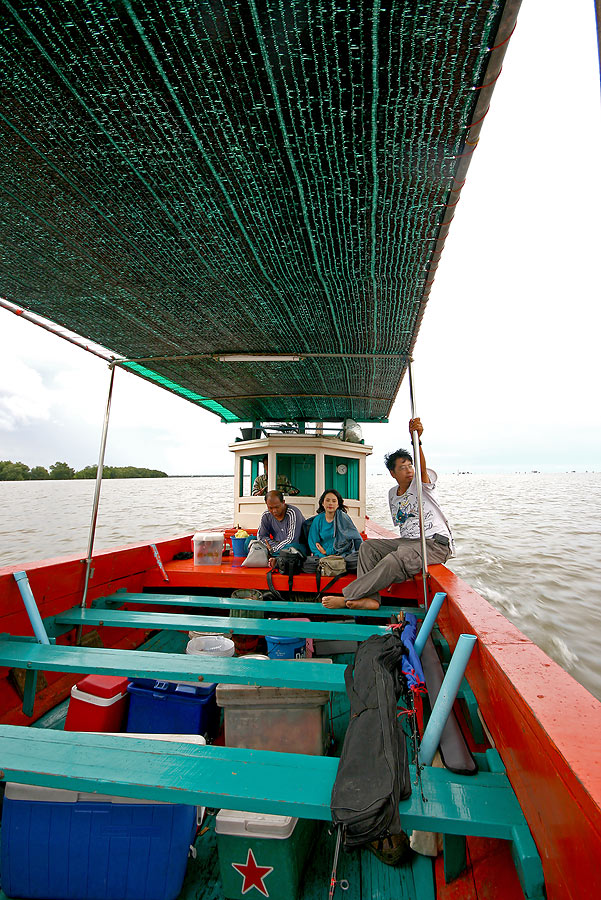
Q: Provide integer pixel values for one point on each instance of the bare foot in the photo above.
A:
(363, 603)
(333, 601)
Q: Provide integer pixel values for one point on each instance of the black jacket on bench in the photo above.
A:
(373, 774)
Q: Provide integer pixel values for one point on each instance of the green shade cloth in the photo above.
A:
(258, 177)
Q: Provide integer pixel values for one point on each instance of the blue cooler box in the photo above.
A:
(158, 707)
(70, 845)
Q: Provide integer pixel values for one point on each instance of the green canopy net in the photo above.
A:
(183, 180)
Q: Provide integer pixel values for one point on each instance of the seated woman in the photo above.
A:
(332, 530)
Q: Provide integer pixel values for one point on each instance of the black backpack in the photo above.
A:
(289, 562)
(373, 773)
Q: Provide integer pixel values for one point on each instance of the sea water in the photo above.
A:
(529, 543)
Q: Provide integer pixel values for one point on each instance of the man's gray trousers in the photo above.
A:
(383, 561)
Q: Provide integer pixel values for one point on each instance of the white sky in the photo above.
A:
(507, 362)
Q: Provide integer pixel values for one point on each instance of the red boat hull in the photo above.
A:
(544, 724)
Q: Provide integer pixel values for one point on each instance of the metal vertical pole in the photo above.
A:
(418, 477)
(97, 495)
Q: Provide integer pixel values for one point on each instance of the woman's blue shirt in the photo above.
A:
(339, 536)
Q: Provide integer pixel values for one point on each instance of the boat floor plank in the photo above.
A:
(381, 882)
(367, 878)
(317, 875)
(494, 874)
(202, 881)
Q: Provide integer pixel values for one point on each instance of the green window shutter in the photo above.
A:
(347, 483)
(299, 469)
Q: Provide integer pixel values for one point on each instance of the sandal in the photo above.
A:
(392, 849)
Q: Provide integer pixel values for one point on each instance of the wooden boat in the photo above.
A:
(247, 205)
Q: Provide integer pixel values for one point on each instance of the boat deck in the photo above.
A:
(366, 876)
(231, 575)
(540, 721)
(369, 879)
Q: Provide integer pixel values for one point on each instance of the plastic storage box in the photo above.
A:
(98, 703)
(261, 855)
(208, 548)
(158, 707)
(70, 845)
(269, 718)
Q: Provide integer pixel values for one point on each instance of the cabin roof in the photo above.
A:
(186, 181)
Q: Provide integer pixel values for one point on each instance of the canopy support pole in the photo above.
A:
(418, 478)
(92, 534)
(53, 329)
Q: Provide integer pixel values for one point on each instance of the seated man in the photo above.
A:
(280, 524)
(282, 483)
(385, 561)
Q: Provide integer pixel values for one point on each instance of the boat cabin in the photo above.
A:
(310, 462)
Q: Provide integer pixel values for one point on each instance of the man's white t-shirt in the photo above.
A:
(405, 513)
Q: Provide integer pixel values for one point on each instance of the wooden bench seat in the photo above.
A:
(31, 656)
(119, 618)
(121, 598)
(259, 781)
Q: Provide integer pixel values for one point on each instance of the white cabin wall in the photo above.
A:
(248, 509)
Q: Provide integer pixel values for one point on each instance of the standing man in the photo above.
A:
(385, 561)
(280, 524)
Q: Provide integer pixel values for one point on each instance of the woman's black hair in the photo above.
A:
(338, 496)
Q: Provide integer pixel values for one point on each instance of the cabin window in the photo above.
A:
(299, 469)
(342, 474)
(250, 467)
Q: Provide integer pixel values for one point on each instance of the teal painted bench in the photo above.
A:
(125, 618)
(185, 600)
(25, 653)
(260, 781)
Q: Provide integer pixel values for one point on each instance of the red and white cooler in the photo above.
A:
(98, 703)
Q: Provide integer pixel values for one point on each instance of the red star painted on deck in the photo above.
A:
(253, 874)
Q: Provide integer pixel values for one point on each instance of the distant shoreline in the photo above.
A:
(200, 476)
(62, 471)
